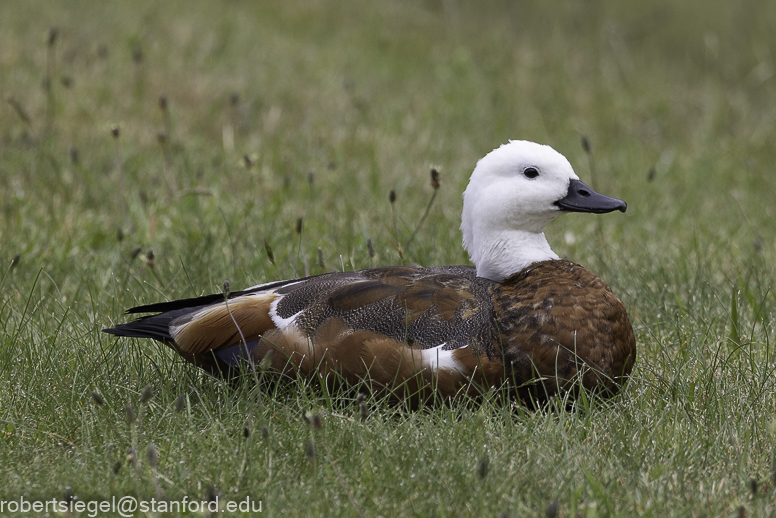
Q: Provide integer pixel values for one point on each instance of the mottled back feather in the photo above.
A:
(424, 307)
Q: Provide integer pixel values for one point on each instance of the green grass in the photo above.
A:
(676, 99)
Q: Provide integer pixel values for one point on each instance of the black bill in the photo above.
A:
(582, 198)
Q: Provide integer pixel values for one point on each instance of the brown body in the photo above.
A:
(417, 331)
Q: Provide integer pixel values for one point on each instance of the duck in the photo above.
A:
(521, 321)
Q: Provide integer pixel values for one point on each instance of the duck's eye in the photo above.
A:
(531, 172)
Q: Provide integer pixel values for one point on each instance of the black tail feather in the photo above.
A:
(155, 326)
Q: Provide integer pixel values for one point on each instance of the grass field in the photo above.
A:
(198, 130)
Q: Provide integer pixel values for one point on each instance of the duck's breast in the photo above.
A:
(560, 322)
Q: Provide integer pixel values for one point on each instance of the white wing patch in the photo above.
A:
(280, 322)
(437, 358)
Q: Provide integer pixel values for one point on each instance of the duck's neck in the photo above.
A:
(499, 256)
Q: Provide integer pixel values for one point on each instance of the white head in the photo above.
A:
(513, 193)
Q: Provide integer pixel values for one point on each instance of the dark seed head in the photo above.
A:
(298, 225)
(246, 432)
(15, 260)
(225, 288)
(392, 196)
(234, 98)
(146, 394)
(51, 39)
(434, 178)
(316, 421)
(161, 137)
(321, 262)
(74, 158)
(265, 431)
(114, 131)
(212, 493)
(270, 255)
(363, 411)
(163, 103)
(152, 456)
(116, 467)
(552, 509)
(97, 398)
(129, 413)
(585, 144)
(483, 466)
(651, 174)
(753, 486)
(370, 248)
(150, 256)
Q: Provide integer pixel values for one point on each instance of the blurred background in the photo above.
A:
(225, 103)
